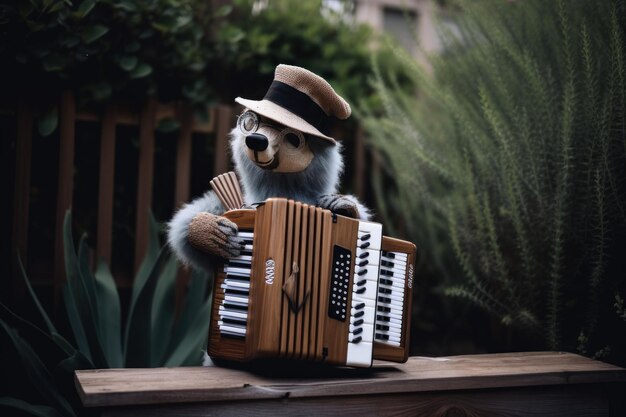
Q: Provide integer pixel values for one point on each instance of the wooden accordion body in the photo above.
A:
(301, 300)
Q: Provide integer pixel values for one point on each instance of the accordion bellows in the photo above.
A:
(312, 285)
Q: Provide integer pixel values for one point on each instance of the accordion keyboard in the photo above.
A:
(390, 304)
(364, 293)
(233, 312)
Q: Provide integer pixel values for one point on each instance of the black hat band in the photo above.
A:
(299, 104)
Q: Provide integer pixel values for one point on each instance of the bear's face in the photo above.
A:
(272, 146)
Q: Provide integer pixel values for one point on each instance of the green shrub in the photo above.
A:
(253, 40)
(126, 51)
(105, 49)
(40, 362)
(509, 165)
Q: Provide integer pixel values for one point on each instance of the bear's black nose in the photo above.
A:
(257, 142)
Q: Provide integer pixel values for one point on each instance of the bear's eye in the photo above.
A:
(248, 122)
(294, 139)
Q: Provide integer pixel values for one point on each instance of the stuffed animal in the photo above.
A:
(280, 148)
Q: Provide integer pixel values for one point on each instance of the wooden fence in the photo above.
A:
(221, 120)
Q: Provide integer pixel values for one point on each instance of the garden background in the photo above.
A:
(501, 155)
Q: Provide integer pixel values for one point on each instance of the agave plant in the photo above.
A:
(152, 335)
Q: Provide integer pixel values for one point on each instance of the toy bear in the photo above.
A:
(280, 148)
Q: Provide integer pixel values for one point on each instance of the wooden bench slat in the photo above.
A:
(115, 387)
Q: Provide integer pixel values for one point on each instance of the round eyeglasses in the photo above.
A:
(249, 122)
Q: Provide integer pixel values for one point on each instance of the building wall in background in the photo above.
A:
(406, 20)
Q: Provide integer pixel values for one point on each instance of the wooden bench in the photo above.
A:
(509, 384)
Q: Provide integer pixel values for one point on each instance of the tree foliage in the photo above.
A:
(193, 50)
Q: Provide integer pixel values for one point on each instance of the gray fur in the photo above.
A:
(320, 178)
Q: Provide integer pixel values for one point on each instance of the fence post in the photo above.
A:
(224, 124)
(21, 196)
(145, 179)
(65, 188)
(183, 156)
(106, 184)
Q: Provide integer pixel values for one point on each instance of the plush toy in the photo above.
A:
(280, 148)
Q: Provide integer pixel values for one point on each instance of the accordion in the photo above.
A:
(312, 285)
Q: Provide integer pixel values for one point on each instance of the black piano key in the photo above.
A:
(246, 252)
(357, 339)
(364, 255)
(383, 318)
(359, 314)
(382, 336)
(361, 290)
(382, 299)
(237, 275)
(239, 264)
(365, 237)
(386, 273)
(389, 255)
(382, 290)
(383, 309)
(387, 264)
(361, 283)
(363, 262)
(365, 245)
(240, 292)
(235, 321)
(358, 322)
(386, 281)
(358, 331)
(359, 306)
(382, 327)
(234, 307)
(362, 272)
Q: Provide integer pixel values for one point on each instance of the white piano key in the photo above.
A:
(233, 313)
(236, 299)
(369, 293)
(368, 302)
(228, 328)
(396, 287)
(359, 354)
(242, 259)
(394, 317)
(232, 270)
(393, 327)
(371, 273)
(246, 235)
(388, 342)
(367, 313)
(375, 230)
(367, 334)
(235, 283)
(392, 333)
(396, 261)
(397, 272)
(373, 258)
(400, 256)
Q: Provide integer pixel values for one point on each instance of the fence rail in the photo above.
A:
(220, 121)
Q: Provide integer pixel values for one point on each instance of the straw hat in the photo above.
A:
(302, 100)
